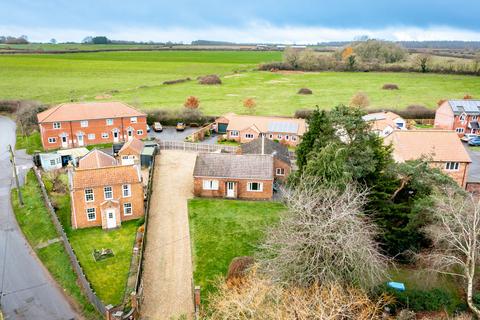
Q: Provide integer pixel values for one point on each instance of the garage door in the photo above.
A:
(222, 127)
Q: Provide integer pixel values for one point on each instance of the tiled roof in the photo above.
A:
(224, 165)
(132, 146)
(96, 159)
(437, 145)
(467, 106)
(266, 124)
(273, 148)
(106, 176)
(381, 120)
(87, 111)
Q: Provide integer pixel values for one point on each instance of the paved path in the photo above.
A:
(168, 262)
(28, 290)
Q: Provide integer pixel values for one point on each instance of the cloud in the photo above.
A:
(253, 32)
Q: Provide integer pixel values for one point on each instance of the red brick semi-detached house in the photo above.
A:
(459, 115)
(72, 125)
(104, 193)
(441, 148)
(233, 176)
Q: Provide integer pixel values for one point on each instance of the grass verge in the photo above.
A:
(224, 229)
(31, 143)
(37, 226)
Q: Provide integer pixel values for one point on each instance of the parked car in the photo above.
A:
(148, 128)
(180, 126)
(468, 136)
(157, 127)
(474, 141)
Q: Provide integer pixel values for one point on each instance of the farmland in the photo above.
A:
(137, 77)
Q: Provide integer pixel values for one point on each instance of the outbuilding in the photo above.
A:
(50, 161)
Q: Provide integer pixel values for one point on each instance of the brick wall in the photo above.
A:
(460, 176)
(79, 205)
(240, 189)
(277, 163)
(72, 129)
(444, 117)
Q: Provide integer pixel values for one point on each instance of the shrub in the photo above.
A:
(176, 81)
(191, 103)
(210, 79)
(305, 91)
(303, 113)
(9, 106)
(249, 104)
(26, 115)
(239, 268)
(467, 97)
(273, 66)
(360, 99)
(390, 86)
(379, 51)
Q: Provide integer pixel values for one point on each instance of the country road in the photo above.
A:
(28, 292)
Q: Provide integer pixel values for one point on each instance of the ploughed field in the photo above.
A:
(137, 78)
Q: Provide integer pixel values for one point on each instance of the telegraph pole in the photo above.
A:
(12, 160)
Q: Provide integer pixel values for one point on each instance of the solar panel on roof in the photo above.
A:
(283, 126)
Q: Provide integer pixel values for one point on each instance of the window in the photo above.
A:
(270, 136)
(452, 166)
(84, 123)
(294, 138)
(287, 137)
(280, 171)
(279, 136)
(210, 184)
(108, 193)
(127, 209)
(89, 195)
(126, 190)
(109, 122)
(52, 140)
(474, 118)
(255, 186)
(133, 120)
(234, 133)
(57, 125)
(459, 130)
(91, 216)
(105, 135)
(140, 132)
(248, 136)
(91, 136)
(52, 162)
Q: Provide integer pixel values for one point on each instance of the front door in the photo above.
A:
(130, 134)
(64, 141)
(80, 140)
(115, 136)
(111, 219)
(230, 189)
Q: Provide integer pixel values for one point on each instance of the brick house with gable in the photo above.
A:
(80, 124)
(104, 193)
(460, 116)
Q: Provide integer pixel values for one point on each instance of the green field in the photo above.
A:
(136, 78)
(224, 229)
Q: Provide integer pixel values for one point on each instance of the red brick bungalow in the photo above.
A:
(80, 124)
(233, 176)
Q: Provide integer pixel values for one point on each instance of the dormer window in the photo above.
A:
(474, 118)
(463, 116)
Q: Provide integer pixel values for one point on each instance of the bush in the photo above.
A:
(26, 115)
(467, 97)
(176, 81)
(305, 91)
(303, 113)
(390, 86)
(9, 106)
(360, 99)
(249, 104)
(239, 268)
(210, 79)
(191, 103)
(379, 51)
(411, 112)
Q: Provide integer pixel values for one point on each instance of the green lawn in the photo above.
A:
(37, 226)
(31, 143)
(136, 78)
(224, 229)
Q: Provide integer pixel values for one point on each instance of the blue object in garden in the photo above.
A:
(396, 285)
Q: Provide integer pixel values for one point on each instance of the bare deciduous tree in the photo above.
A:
(456, 239)
(423, 61)
(324, 237)
(360, 99)
(291, 57)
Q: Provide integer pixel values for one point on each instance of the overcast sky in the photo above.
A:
(295, 21)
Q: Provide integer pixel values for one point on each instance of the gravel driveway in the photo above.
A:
(168, 262)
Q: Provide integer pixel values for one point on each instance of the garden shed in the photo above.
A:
(50, 161)
(146, 157)
(72, 155)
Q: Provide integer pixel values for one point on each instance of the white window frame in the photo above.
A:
(234, 133)
(109, 122)
(210, 185)
(90, 211)
(139, 132)
(279, 136)
(57, 125)
(452, 166)
(270, 136)
(133, 119)
(294, 138)
(91, 136)
(459, 130)
(287, 137)
(52, 140)
(127, 206)
(84, 123)
(280, 171)
(249, 186)
(89, 194)
(106, 192)
(128, 189)
(474, 118)
(105, 135)
(249, 136)
(53, 162)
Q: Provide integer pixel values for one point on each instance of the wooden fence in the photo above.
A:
(82, 279)
(195, 147)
